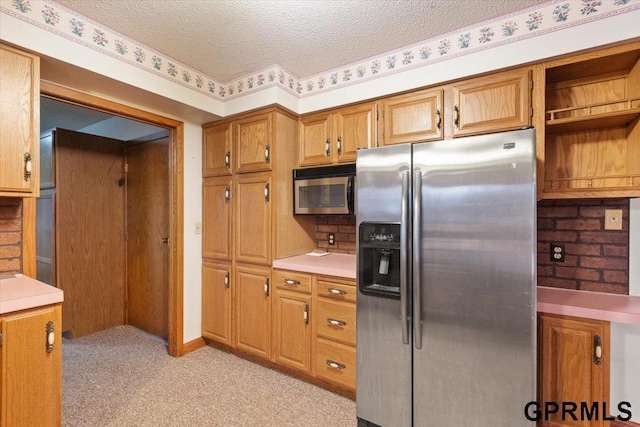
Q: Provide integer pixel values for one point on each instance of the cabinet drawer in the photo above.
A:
(336, 321)
(336, 290)
(336, 363)
(292, 281)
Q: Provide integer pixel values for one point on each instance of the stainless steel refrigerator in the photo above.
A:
(446, 331)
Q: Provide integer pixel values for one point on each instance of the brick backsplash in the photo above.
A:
(343, 226)
(595, 259)
(10, 235)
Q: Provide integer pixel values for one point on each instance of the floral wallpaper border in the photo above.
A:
(552, 16)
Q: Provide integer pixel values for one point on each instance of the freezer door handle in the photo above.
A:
(417, 246)
(404, 242)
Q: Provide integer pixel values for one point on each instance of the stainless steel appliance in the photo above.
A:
(324, 190)
(446, 282)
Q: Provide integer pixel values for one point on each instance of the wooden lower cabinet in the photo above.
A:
(30, 370)
(334, 321)
(291, 320)
(573, 366)
(217, 301)
(253, 309)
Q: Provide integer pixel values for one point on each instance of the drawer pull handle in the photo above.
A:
(50, 338)
(335, 365)
(597, 350)
(28, 165)
(292, 282)
(337, 291)
(336, 322)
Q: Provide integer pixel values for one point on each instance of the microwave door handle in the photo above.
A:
(350, 194)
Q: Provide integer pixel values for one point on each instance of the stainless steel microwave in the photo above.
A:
(324, 190)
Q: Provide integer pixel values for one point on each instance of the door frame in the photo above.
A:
(176, 200)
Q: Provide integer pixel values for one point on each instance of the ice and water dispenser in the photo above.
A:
(379, 259)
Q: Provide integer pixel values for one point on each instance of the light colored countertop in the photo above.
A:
(591, 305)
(21, 293)
(339, 265)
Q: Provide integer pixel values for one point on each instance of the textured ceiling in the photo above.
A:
(226, 39)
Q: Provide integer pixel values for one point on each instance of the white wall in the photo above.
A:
(625, 339)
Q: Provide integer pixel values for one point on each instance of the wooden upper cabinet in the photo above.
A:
(314, 139)
(216, 149)
(334, 137)
(413, 117)
(569, 369)
(253, 143)
(216, 218)
(498, 102)
(252, 206)
(20, 123)
(591, 125)
(355, 127)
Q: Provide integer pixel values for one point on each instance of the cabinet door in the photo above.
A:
(216, 218)
(412, 117)
(253, 143)
(291, 329)
(253, 218)
(314, 139)
(253, 309)
(216, 301)
(569, 370)
(31, 371)
(501, 101)
(216, 149)
(20, 123)
(355, 127)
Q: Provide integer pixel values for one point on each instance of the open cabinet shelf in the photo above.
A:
(592, 130)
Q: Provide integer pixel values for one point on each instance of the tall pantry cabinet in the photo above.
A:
(247, 222)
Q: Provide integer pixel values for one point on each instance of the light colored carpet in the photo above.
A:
(124, 377)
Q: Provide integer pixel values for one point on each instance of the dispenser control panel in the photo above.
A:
(379, 259)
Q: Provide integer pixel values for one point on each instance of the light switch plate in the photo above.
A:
(613, 219)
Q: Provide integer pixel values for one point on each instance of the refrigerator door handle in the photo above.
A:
(404, 251)
(417, 246)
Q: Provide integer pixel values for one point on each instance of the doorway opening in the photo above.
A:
(160, 151)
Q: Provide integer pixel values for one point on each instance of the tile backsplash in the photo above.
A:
(344, 228)
(10, 235)
(595, 259)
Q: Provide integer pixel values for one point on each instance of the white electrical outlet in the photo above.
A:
(198, 228)
(613, 219)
